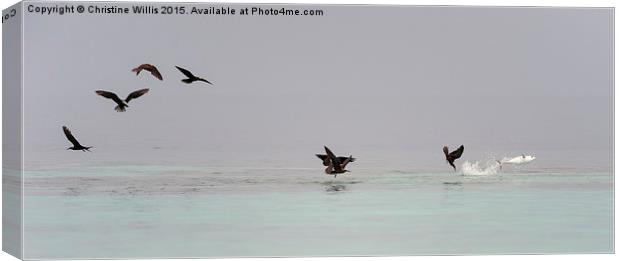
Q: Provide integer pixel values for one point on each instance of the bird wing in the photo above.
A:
(186, 72)
(321, 156)
(324, 158)
(334, 160)
(346, 161)
(445, 151)
(70, 136)
(155, 72)
(136, 94)
(110, 95)
(342, 159)
(457, 153)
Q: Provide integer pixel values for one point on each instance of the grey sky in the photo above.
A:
(390, 85)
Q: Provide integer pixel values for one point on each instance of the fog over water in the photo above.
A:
(389, 85)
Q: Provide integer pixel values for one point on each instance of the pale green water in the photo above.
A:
(151, 211)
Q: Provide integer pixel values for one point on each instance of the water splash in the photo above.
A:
(474, 169)
(335, 188)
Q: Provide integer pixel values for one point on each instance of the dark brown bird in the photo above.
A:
(76, 144)
(335, 165)
(190, 77)
(452, 156)
(148, 67)
(122, 104)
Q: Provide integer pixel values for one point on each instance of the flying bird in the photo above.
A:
(121, 105)
(190, 77)
(76, 144)
(335, 165)
(452, 156)
(148, 67)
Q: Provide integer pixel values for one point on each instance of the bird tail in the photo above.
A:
(88, 148)
(136, 70)
(120, 108)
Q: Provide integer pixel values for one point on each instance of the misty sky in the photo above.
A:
(386, 84)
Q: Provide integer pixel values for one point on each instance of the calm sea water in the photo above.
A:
(166, 211)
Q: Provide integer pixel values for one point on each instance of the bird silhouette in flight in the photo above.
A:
(121, 105)
(148, 67)
(191, 77)
(336, 166)
(452, 156)
(76, 144)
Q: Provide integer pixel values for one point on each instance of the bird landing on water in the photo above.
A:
(335, 165)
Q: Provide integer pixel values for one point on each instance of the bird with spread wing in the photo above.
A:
(150, 68)
(121, 105)
(335, 165)
(73, 140)
(191, 77)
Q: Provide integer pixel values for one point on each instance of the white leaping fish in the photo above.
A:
(523, 159)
